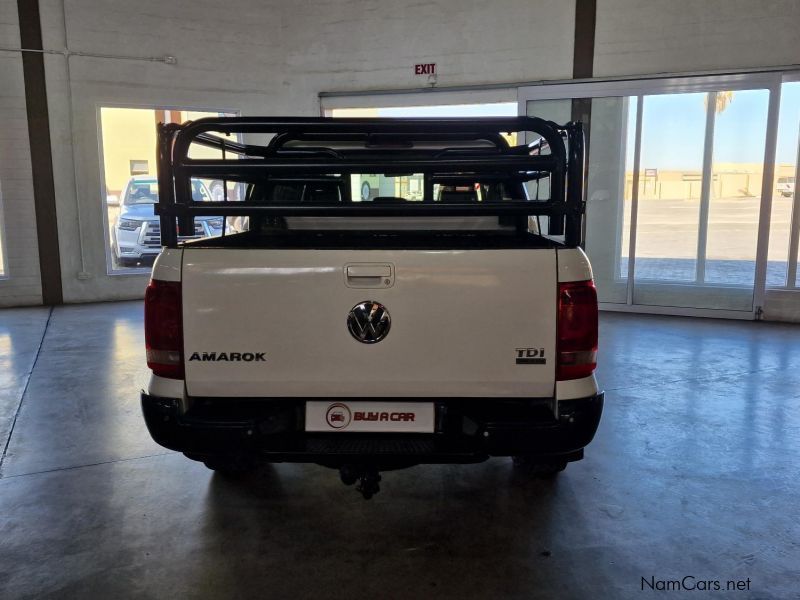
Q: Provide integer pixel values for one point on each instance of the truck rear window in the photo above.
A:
(378, 189)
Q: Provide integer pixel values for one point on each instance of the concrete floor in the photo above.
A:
(694, 471)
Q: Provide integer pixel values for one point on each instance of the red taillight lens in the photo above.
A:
(163, 328)
(577, 330)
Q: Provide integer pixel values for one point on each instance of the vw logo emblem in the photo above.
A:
(369, 322)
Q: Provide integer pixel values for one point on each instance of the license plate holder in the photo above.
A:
(366, 416)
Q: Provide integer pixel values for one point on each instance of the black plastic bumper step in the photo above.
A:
(361, 445)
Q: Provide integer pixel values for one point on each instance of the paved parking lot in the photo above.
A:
(667, 236)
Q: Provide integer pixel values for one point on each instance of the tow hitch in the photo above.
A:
(367, 477)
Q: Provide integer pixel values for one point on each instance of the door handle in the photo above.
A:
(369, 275)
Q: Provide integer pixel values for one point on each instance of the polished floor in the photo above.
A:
(694, 471)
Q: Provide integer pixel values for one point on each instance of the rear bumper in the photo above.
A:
(467, 430)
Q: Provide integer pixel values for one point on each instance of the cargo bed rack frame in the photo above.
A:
(378, 145)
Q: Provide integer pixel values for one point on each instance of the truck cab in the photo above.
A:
(437, 323)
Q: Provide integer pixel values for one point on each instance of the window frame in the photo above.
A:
(131, 271)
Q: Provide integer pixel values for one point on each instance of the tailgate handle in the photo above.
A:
(369, 271)
(367, 275)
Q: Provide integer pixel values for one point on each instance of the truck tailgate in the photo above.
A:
(464, 323)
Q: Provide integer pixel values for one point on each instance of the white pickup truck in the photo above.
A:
(438, 325)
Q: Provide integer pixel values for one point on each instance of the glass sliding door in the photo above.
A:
(670, 184)
(675, 188)
(701, 174)
(729, 256)
(609, 186)
(609, 194)
(784, 243)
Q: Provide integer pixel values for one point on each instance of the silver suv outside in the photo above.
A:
(136, 236)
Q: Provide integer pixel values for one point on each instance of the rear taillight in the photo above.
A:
(577, 330)
(163, 328)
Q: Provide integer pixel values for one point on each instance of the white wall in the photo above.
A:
(16, 184)
(637, 37)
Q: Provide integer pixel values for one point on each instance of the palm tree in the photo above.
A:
(723, 100)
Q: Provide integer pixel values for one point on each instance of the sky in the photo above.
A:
(673, 126)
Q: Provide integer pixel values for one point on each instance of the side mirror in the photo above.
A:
(112, 200)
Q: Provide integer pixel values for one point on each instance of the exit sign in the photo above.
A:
(425, 69)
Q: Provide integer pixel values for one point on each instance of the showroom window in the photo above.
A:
(695, 185)
(130, 186)
(675, 186)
